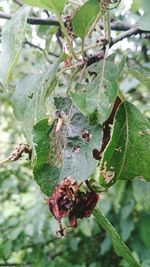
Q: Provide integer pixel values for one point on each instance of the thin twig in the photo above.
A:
(18, 2)
(33, 20)
(130, 32)
(40, 48)
(13, 264)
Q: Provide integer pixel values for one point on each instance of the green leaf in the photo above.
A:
(142, 75)
(127, 153)
(136, 5)
(29, 99)
(12, 38)
(127, 226)
(78, 139)
(119, 246)
(97, 98)
(46, 172)
(144, 23)
(144, 229)
(105, 245)
(141, 192)
(47, 4)
(84, 17)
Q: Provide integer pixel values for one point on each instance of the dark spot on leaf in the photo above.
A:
(86, 135)
(76, 149)
(107, 123)
(30, 96)
(96, 154)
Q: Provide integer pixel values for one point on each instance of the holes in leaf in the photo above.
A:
(30, 96)
(76, 149)
(86, 135)
(105, 87)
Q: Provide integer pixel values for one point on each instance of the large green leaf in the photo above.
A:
(84, 17)
(53, 5)
(142, 75)
(97, 98)
(12, 39)
(46, 172)
(127, 154)
(119, 246)
(28, 100)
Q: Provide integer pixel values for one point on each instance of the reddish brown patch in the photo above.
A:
(107, 130)
(67, 200)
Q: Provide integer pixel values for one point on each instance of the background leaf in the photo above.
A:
(84, 17)
(144, 23)
(47, 4)
(12, 38)
(29, 98)
(141, 193)
(127, 153)
(142, 75)
(145, 229)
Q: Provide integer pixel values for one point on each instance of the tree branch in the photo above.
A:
(40, 48)
(126, 34)
(115, 25)
(18, 2)
(13, 264)
(33, 20)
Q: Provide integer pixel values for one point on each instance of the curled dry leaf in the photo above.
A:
(68, 200)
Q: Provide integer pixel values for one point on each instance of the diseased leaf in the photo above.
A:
(47, 4)
(46, 170)
(29, 98)
(142, 75)
(84, 17)
(97, 98)
(68, 152)
(77, 139)
(127, 153)
(81, 139)
(12, 39)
